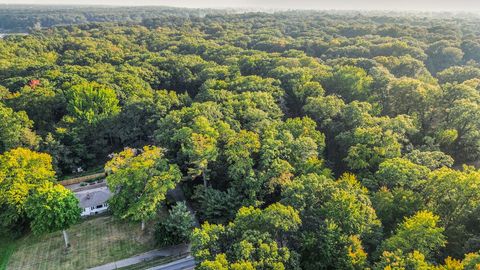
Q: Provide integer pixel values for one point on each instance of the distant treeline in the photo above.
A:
(25, 17)
(15, 18)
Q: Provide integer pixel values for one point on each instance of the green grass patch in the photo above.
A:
(94, 242)
(7, 246)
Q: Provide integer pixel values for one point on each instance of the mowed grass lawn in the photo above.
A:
(94, 242)
(7, 246)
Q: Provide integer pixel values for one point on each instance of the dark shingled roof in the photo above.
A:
(93, 197)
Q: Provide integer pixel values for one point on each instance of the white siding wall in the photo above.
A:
(94, 210)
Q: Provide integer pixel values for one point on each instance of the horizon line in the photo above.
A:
(246, 8)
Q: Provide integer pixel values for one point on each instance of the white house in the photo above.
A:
(93, 201)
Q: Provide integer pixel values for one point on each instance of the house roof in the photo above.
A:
(93, 197)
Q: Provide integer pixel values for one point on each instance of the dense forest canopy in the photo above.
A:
(312, 140)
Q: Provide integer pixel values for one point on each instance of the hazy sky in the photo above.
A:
(434, 5)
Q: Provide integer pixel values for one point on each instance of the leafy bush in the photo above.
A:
(176, 228)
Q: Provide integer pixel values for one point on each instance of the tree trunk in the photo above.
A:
(204, 179)
(65, 237)
(143, 225)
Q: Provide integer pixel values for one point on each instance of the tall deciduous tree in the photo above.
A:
(400, 260)
(430, 159)
(52, 208)
(85, 129)
(15, 129)
(370, 146)
(417, 233)
(443, 54)
(351, 83)
(400, 172)
(91, 103)
(454, 196)
(392, 206)
(412, 97)
(247, 241)
(337, 217)
(199, 144)
(140, 180)
(463, 116)
(21, 172)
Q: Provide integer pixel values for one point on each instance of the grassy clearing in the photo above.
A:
(94, 242)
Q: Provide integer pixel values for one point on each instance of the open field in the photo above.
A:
(94, 242)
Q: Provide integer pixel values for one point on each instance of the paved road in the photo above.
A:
(171, 251)
(187, 263)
